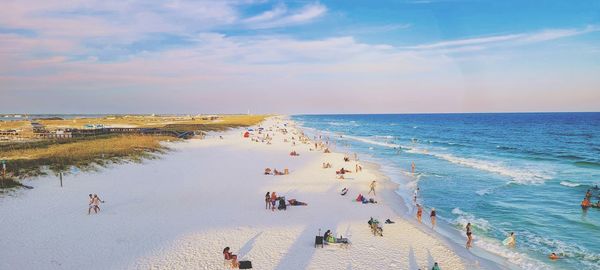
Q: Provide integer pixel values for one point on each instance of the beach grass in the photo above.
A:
(31, 159)
(38, 157)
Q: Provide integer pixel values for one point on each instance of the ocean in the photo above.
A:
(504, 172)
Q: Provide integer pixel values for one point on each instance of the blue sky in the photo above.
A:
(299, 56)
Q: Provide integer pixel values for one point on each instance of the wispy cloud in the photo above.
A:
(479, 43)
(281, 16)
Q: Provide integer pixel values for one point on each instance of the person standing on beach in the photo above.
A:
(469, 237)
(432, 217)
(267, 200)
(415, 195)
(412, 167)
(273, 200)
(372, 187)
(419, 212)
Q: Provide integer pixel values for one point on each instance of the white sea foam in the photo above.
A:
(350, 124)
(493, 245)
(463, 218)
(373, 142)
(484, 191)
(518, 175)
(520, 259)
(569, 184)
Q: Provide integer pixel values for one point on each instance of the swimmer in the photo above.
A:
(511, 240)
(553, 256)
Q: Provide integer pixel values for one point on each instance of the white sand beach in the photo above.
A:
(180, 211)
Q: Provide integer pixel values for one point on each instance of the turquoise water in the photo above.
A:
(525, 173)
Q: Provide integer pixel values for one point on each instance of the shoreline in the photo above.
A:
(480, 259)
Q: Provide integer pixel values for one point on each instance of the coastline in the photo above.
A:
(475, 258)
(179, 211)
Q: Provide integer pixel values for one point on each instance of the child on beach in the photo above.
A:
(432, 216)
(372, 187)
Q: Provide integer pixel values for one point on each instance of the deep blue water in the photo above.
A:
(521, 172)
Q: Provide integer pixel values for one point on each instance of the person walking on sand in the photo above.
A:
(432, 217)
(469, 237)
(267, 200)
(372, 187)
(91, 204)
(419, 212)
(96, 203)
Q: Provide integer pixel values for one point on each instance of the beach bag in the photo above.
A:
(245, 265)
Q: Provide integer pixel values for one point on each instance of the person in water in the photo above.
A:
(469, 236)
(419, 212)
(553, 256)
(512, 240)
(586, 202)
(432, 217)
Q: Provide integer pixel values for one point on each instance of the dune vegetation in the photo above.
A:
(39, 157)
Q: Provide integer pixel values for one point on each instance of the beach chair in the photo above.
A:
(319, 241)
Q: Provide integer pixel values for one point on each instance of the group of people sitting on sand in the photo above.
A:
(364, 199)
(294, 153)
(326, 165)
(272, 201)
(268, 171)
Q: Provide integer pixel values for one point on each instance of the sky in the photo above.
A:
(299, 57)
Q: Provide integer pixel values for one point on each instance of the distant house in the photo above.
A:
(37, 127)
(210, 117)
(93, 126)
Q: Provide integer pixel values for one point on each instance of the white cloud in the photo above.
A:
(280, 16)
(480, 43)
